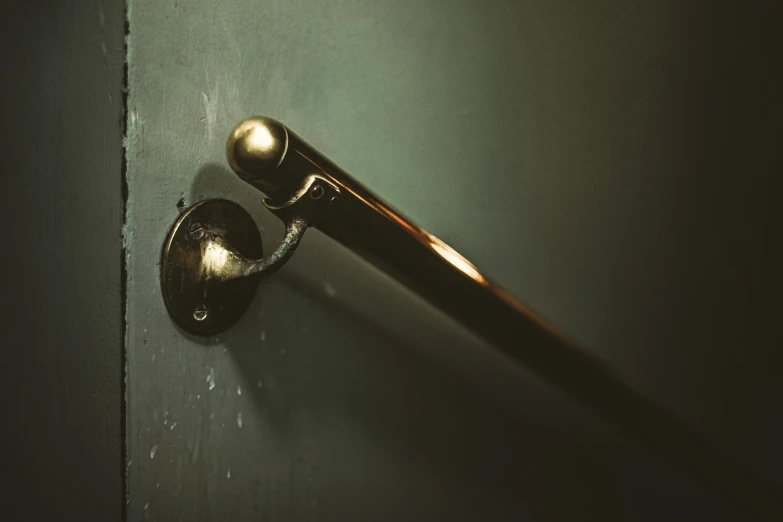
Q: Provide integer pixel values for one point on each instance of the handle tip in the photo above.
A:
(255, 148)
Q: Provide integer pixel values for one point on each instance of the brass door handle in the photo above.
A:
(212, 262)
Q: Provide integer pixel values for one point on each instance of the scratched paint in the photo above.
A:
(369, 389)
(312, 401)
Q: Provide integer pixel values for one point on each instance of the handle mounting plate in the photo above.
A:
(200, 303)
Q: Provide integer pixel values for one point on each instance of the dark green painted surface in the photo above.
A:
(610, 166)
(615, 166)
(60, 305)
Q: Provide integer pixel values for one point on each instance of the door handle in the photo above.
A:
(212, 263)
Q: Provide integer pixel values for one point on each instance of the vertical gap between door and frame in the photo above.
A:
(124, 272)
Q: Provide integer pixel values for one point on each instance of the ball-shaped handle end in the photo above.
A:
(255, 148)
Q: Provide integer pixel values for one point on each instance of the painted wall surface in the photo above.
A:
(588, 158)
(60, 270)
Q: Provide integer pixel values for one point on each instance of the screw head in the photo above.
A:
(316, 192)
(200, 313)
(196, 231)
(333, 200)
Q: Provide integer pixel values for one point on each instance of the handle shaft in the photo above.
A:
(272, 158)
